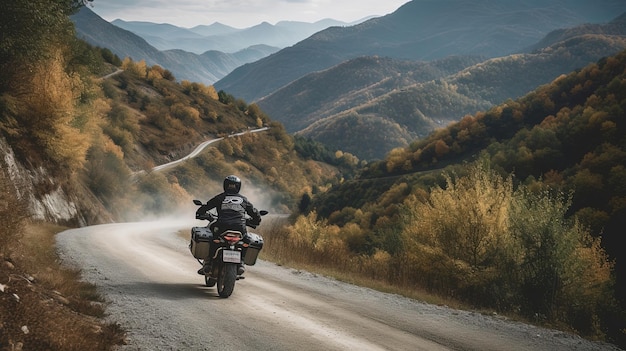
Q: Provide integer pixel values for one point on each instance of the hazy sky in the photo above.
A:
(241, 13)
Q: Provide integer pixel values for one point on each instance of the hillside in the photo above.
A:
(566, 137)
(206, 67)
(420, 30)
(417, 97)
(535, 136)
(156, 120)
(93, 133)
(328, 106)
(614, 27)
(80, 133)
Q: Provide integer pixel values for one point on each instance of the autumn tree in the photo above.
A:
(28, 30)
(39, 93)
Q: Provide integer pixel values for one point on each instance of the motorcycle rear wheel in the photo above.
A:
(226, 280)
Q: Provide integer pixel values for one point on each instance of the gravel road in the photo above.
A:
(148, 276)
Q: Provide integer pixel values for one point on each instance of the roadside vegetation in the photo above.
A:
(479, 241)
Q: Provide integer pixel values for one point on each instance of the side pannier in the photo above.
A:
(255, 242)
(201, 238)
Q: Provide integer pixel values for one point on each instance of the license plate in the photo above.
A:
(231, 256)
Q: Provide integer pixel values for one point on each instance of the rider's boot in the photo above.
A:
(205, 269)
(241, 269)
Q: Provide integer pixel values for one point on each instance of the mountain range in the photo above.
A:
(377, 85)
(421, 30)
(221, 37)
(204, 53)
(370, 105)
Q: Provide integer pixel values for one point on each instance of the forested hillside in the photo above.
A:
(506, 207)
(326, 106)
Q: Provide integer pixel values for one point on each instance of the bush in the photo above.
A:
(515, 250)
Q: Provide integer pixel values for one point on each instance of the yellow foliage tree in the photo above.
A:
(139, 69)
(513, 248)
(48, 112)
(466, 219)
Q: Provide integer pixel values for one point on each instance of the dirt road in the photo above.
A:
(149, 277)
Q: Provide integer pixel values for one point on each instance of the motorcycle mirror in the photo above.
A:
(263, 212)
(197, 202)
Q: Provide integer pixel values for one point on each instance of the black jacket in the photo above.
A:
(231, 210)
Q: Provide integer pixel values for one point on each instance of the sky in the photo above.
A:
(241, 13)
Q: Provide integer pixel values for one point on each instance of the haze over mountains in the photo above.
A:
(206, 68)
(204, 53)
(221, 37)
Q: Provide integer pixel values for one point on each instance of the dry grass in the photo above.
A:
(44, 306)
(278, 250)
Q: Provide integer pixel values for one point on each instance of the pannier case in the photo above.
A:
(252, 252)
(201, 238)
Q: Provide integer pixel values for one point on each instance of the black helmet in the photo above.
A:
(232, 184)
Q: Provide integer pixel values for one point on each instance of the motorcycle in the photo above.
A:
(231, 248)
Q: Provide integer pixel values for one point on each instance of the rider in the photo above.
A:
(232, 208)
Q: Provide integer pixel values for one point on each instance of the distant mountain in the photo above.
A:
(206, 68)
(220, 37)
(358, 82)
(368, 106)
(421, 30)
(163, 30)
(213, 29)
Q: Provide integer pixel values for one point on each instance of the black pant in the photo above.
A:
(218, 228)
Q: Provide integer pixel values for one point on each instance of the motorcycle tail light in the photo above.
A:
(232, 238)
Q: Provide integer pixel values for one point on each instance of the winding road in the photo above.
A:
(147, 274)
(201, 147)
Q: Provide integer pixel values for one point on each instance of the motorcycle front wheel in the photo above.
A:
(226, 279)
